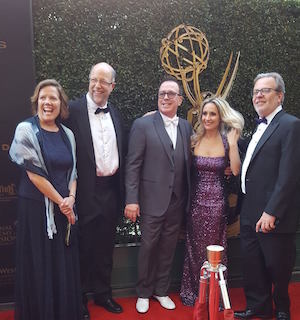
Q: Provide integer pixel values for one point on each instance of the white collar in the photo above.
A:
(92, 105)
(273, 114)
(165, 118)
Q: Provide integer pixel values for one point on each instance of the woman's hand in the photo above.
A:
(233, 137)
(66, 207)
(71, 217)
(234, 157)
(45, 187)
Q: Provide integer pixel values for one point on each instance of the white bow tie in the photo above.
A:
(173, 122)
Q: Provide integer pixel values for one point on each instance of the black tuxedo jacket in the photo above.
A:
(78, 122)
(273, 175)
(150, 168)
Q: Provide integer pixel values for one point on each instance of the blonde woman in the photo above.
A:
(214, 148)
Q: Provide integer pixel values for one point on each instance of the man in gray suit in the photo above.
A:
(157, 189)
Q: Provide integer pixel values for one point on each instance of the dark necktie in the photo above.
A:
(104, 110)
(261, 120)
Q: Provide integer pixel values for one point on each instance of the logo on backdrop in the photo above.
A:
(4, 147)
(7, 275)
(3, 44)
(8, 192)
(7, 235)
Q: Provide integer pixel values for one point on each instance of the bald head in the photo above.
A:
(102, 83)
(105, 67)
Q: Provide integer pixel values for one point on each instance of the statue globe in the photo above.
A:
(184, 54)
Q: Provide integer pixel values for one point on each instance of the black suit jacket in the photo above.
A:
(149, 165)
(273, 175)
(78, 122)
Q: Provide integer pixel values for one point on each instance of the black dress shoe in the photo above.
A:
(110, 305)
(85, 312)
(249, 314)
(281, 315)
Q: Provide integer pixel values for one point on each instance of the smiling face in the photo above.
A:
(210, 117)
(101, 83)
(48, 105)
(266, 103)
(168, 104)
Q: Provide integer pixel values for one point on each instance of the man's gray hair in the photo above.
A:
(280, 86)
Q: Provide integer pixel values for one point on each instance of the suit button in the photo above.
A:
(170, 187)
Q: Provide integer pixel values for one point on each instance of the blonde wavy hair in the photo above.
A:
(229, 118)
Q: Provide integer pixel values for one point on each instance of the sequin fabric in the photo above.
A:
(206, 222)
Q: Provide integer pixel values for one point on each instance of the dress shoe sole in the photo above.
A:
(108, 308)
(142, 312)
(164, 306)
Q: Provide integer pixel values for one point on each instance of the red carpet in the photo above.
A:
(156, 312)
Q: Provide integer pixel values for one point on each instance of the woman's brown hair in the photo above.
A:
(64, 110)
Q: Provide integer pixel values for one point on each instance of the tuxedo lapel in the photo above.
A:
(85, 128)
(267, 134)
(184, 134)
(163, 135)
(118, 129)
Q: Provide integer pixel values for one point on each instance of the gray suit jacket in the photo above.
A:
(150, 170)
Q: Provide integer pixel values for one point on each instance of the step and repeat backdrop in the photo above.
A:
(16, 87)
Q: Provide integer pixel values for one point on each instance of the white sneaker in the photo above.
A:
(166, 302)
(142, 305)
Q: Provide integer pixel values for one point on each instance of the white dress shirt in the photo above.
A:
(171, 127)
(261, 128)
(104, 140)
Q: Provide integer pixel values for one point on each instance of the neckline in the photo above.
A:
(207, 157)
(48, 131)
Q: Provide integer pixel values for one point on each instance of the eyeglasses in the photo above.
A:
(263, 91)
(170, 94)
(101, 82)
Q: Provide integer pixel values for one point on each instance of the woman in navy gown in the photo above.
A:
(47, 269)
(214, 147)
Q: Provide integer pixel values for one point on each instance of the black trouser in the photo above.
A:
(97, 239)
(268, 259)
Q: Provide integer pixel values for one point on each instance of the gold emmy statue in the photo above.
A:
(184, 54)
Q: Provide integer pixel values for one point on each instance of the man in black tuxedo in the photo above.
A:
(157, 189)
(270, 183)
(97, 127)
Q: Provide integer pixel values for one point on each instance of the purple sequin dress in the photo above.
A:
(206, 222)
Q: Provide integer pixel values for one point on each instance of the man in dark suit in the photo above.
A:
(98, 132)
(270, 183)
(157, 189)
